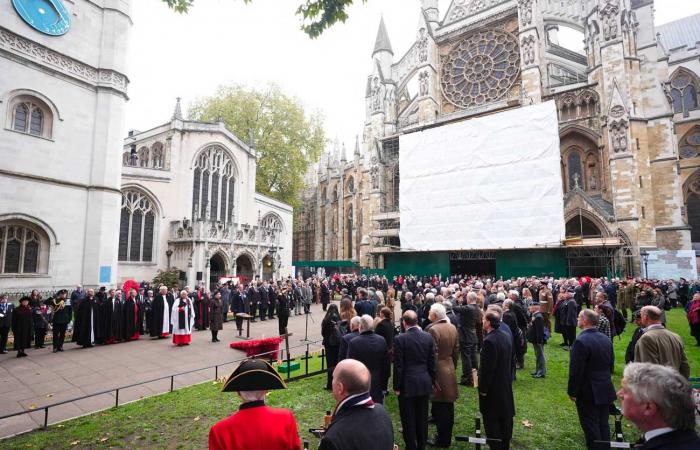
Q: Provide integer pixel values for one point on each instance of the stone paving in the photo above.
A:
(44, 377)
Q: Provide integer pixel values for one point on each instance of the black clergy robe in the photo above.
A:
(201, 308)
(111, 316)
(131, 319)
(159, 325)
(87, 322)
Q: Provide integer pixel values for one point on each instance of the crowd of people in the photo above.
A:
(408, 336)
(110, 316)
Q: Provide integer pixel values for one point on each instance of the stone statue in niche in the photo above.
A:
(528, 46)
(422, 45)
(423, 78)
(608, 15)
(377, 94)
(374, 176)
(618, 136)
(526, 12)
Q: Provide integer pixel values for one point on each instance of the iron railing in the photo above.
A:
(288, 359)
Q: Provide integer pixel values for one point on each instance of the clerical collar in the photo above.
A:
(649, 435)
(253, 404)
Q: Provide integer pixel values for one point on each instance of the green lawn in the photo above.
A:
(181, 420)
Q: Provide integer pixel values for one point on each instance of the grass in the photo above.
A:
(181, 420)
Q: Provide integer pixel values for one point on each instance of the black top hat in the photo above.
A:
(254, 375)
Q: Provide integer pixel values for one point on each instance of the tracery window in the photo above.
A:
(481, 68)
(684, 92)
(689, 146)
(349, 226)
(575, 170)
(23, 248)
(31, 116)
(350, 185)
(136, 227)
(213, 191)
(692, 199)
(272, 222)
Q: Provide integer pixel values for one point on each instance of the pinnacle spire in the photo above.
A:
(177, 113)
(382, 43)
(357, 144)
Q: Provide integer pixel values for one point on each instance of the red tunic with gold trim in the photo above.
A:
(256, 427)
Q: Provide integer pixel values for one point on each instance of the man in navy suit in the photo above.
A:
(414, 376)
(659, 401)
(6, 310)
(496, 401)
(590, 379)
(371, 350)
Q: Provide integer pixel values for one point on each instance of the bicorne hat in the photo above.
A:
(254, 375)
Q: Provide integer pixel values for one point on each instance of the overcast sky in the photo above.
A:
(224, 42)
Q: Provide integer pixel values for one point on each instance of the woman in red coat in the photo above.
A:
(255, 426)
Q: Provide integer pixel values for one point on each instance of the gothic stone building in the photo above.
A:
(189, 201)
(629, 129)
(63, 89)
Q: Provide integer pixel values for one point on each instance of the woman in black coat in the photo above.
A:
(22, 325)
(331, 340)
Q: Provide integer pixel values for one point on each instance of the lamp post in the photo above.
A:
(169, 253)
(645, 257)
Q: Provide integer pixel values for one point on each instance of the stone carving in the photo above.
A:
(528, 46)
(422, 45)
(423, 78)
(617, 111)
(608, 17)
(618, 135)
(466, 8)
(374, 177)
(525, 12)
(377, 94)
(64, 64)
(480, 68)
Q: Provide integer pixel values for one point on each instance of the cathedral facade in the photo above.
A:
(629, 127)
(188, 201)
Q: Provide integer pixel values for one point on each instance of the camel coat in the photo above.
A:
(446, 354)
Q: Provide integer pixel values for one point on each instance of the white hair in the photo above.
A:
(439, 311)
(252, 396)
(430, 296)
(366, 323)
(471, 297)
(514, 292)
(500, 296)
(355, 322)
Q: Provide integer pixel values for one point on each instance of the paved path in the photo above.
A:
(45, 377)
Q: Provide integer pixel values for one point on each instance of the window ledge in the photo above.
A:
(29, 134)
(25, 275)
(137, 263)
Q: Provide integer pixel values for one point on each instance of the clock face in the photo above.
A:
(47, 16)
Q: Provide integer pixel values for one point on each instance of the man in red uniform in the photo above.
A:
(255, 426)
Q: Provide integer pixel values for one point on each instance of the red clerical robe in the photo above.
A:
(256, 427)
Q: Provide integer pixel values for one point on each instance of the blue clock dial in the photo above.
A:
(47, 16)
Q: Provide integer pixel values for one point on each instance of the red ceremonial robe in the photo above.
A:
(256, 427)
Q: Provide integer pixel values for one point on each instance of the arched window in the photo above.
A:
(349, 227)
(689, 145)
(692, 202)
(684, 92)
(575, 171)
(136, 227)
(272, 222)
(350, 185)
(580, 226)
(30, 115)
(24, 248)
(158, 156)
(214, 185)
(144, 156)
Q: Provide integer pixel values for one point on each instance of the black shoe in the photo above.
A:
(434, 443)
(431, 419)
(538, 375)
(60, 349)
